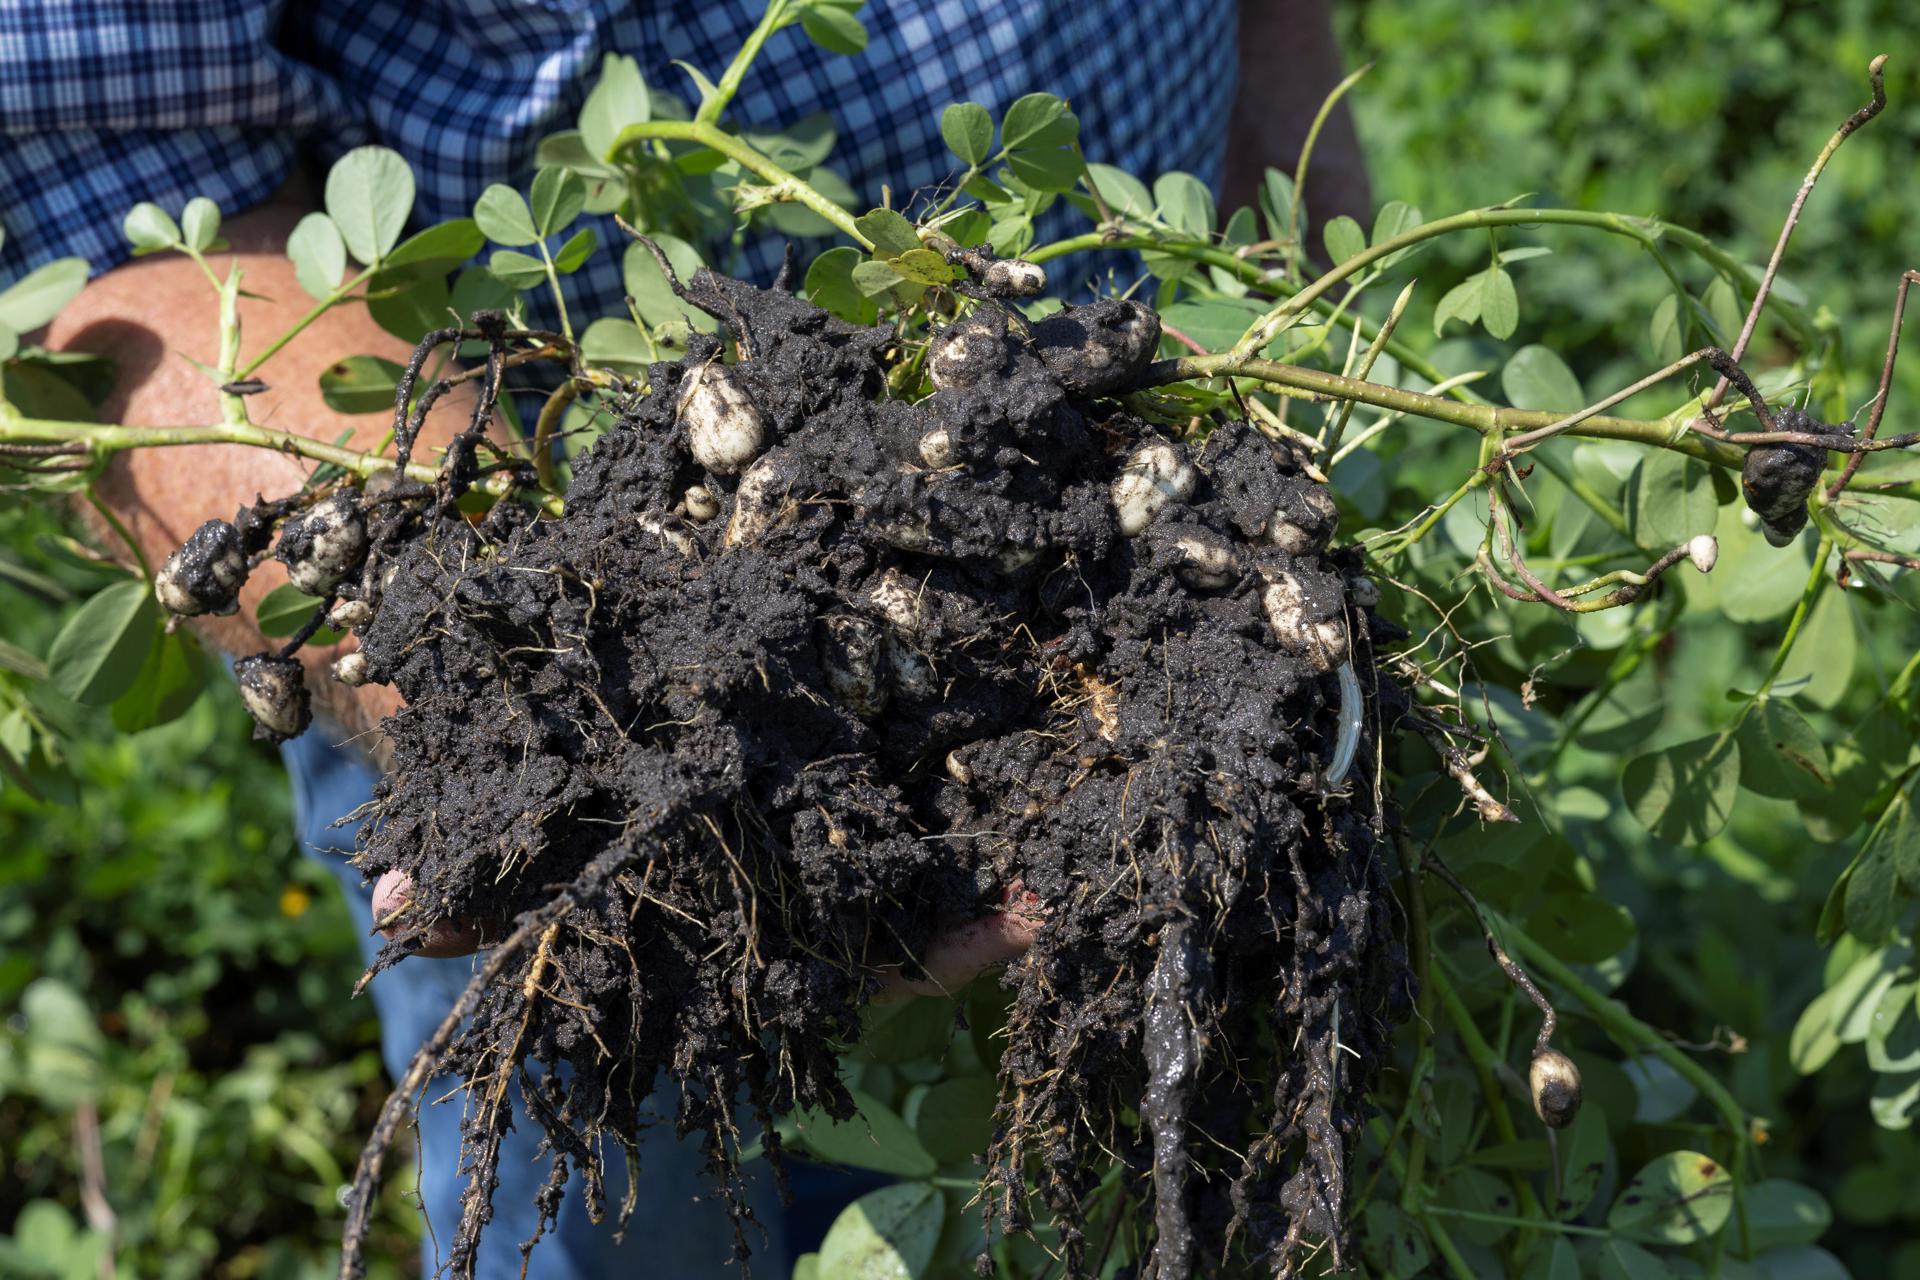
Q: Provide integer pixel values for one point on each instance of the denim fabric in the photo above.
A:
(679, 1231)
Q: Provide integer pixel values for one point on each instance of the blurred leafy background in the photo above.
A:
(178, 1065)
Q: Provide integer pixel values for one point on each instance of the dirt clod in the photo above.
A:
(721, 770)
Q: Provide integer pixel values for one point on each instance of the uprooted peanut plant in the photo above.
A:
(801, 628)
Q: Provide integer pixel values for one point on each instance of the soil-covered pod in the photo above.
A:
(969, 349)
(764, 498)
(1777, 479)
(1304, 519)
(699, 503)
(1364, 591)
(274, 691)
(901, 601)
(936, 449)
(322, 548)
(1014, 278)
(1101, 348)
(1305, 610)
(1206, 560)
(205, 574)
(350, 615)
(671, 533)
(1554, 1083)
(725, 430)
(350, 669)
(1155, 475)
(853, 654)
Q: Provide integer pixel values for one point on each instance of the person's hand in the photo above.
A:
(955, 959)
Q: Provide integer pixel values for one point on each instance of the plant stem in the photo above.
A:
(784, 185)
(120, 531)
(1647, 231)
(111, 439)
(716, 103)
(318, 309)
(1298, 250)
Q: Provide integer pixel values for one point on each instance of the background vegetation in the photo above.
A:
(178, 1066)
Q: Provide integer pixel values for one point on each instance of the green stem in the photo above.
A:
(120, 530)
(107, 440)
(1298, 250)
(1816, 583)
(1507, 1220)
(318, 309)
(553, 283)
(1646, 231)
(785, 185)
(770, 21)
(1481, 1055)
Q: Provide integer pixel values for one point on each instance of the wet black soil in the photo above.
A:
(723, 770)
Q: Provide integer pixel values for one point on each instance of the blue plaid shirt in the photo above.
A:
(104, 103)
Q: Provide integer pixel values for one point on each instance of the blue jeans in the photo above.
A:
(679, 1230)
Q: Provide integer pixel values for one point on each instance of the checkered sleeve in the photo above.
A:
(104, 103)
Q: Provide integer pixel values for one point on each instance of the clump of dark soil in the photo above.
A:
(807, 673)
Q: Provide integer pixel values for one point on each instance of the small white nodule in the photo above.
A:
(1206, 562)
(350, 615)
(350, 669)
(1704, 551)
(1154, 476)
(1321, 641)
(724, 429)
(936, 449)
(701, 506)
(671, 533)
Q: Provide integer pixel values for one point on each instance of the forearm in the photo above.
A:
(1289, 62)
(149, 317)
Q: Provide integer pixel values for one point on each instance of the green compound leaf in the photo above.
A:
(617, 342)
(954, 1118)
(200, 223)
(574, 253)
(515, 269)
(887, 1234)
(891, 233)
(833, 27)
(319, 255)
(369, 195)
(1781, 1214)
(653, 297)
(150, 228)
(1537, 378)
(830, 285)
(171, 680)
(967, 129)
(1684, 794)
(286, 609)
(875, 1138)
(360, 384)
(1670, 499)
(1679, 1198)
(618, 99)
(1781, 755)
(1038, 120)
(100, 652)
(37, 297)
(1344, 239)
(557, 198)
(503, 216)
(1623, 1260)
(442, 247)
